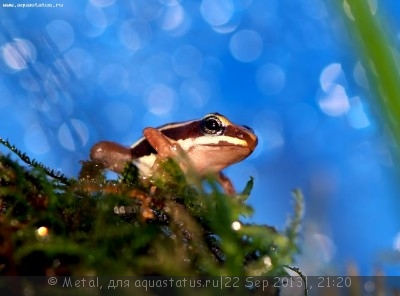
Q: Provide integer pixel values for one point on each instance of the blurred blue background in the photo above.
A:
(104, 69)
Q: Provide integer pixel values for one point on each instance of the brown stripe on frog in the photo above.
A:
(175, 131)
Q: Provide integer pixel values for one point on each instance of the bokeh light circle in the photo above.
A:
(217, 12)
(332, 75)
(68, 132)
(246, 45)
(36, 140)
(18, 53)
(61, 33)
(334, 102)
(172, 17)
(134, 34)
(160, 99)
(270, 79)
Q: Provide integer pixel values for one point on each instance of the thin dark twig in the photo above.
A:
(303, 277)
(25, 158)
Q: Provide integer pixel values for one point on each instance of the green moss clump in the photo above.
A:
(52, 225)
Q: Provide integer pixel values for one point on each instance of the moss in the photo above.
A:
(52, 225)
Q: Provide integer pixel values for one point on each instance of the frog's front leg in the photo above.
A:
(110, 155)
(167, 147)
(164, 146)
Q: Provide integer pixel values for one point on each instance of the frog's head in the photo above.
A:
(213, 142)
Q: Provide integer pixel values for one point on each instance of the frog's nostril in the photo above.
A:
(239, 135)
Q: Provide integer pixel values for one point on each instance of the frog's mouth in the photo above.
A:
(245, 142)
(240, 136)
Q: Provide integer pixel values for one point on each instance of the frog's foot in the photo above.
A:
(226, 184)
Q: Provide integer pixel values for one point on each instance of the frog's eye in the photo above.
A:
(212, 125)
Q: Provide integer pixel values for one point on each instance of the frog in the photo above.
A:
(206, 145)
